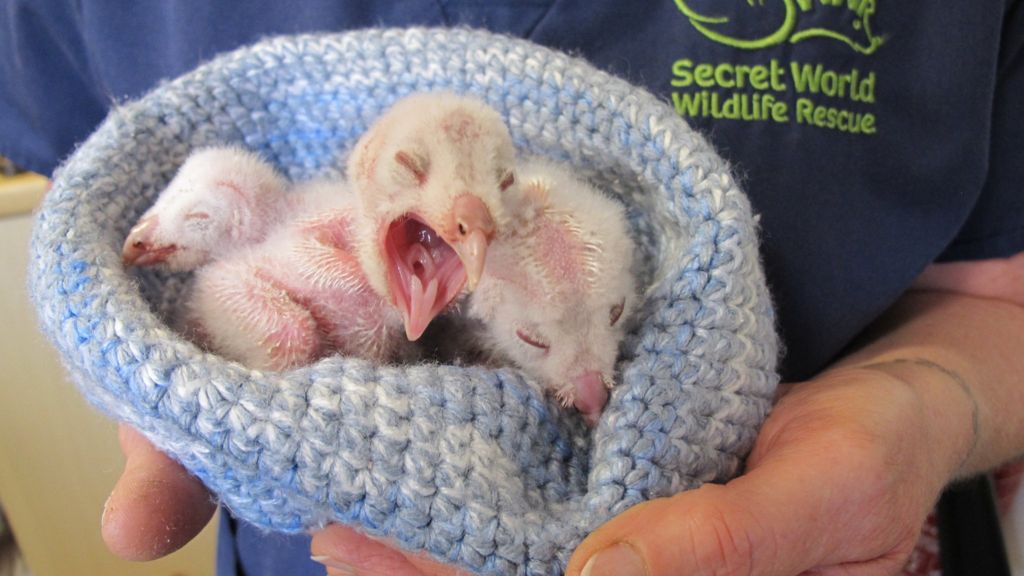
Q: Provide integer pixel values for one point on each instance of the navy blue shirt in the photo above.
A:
(873, 137)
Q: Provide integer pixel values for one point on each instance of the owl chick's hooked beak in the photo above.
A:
(470, 231)
(140, 249)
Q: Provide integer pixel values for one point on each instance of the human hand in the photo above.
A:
(156, 507)
(345, 552)
(840, 481)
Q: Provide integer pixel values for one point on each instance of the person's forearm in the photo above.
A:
(965, 357)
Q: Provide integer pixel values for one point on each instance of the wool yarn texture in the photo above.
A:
(470, 464)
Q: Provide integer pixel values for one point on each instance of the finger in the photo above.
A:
(765, 522)
(345, 551)
(693, 533)
(156, 507)
(798, 507)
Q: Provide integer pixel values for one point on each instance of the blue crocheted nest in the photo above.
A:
(469, 464)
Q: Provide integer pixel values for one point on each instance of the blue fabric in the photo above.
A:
(472, 465)
(995, 226)
(279, 554)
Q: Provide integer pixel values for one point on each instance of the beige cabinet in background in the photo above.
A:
(58, 456)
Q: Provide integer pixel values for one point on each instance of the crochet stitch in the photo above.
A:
(470, 464)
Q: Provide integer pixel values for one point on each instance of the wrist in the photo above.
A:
(949, 410)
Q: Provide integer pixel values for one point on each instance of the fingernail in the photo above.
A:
(616, 560)
(337, 566)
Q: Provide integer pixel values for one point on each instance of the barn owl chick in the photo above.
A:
(559, 288)
(277, 283)
(220, 199)
(298, 295)
(430, 174)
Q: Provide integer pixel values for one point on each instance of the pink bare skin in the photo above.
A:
(885, 403)
(297, 296)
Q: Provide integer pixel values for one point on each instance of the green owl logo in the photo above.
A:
(853, 30)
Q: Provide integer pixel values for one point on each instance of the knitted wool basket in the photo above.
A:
(470, 464)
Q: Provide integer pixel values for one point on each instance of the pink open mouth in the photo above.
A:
(424, 272)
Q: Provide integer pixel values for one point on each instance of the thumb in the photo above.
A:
(156, 507)
(698, 532)
(760, 523)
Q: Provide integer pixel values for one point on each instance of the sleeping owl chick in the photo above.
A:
(559, 287)
(300, 294)
(220, 199)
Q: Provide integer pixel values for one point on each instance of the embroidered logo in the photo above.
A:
(771, 87)
(856, 29)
